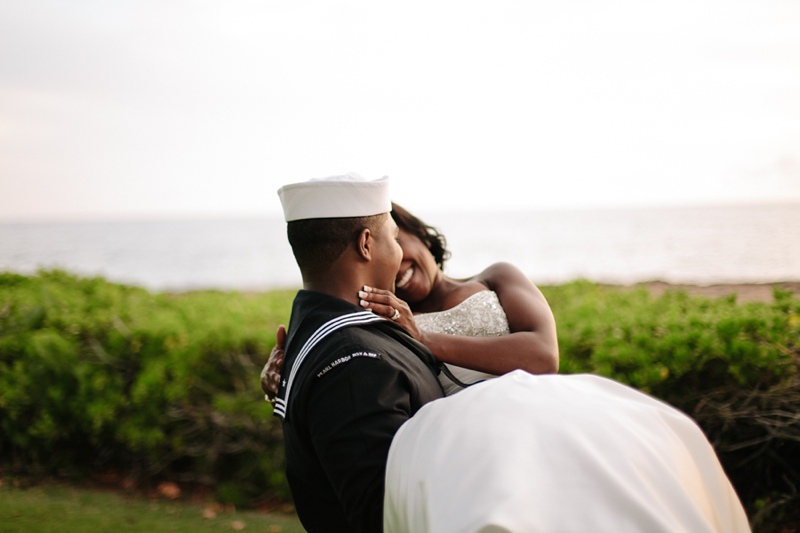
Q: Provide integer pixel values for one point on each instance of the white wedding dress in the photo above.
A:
(555, 453)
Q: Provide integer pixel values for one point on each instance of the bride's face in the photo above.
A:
(418, 270)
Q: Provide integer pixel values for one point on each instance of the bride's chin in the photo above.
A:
(405, 295)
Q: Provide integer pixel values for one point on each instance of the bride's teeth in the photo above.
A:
(405, 279)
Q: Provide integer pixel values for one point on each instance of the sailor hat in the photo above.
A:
(344, 196)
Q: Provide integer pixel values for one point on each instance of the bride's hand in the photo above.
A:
(387, 304)
(271, 373)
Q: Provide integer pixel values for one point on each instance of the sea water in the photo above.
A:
(699, 245)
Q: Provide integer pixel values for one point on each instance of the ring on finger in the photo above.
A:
(396, 314)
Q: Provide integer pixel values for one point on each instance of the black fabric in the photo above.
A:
(349, 397)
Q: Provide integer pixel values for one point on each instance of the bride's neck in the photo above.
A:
(440, 296)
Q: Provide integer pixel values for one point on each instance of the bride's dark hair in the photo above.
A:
(430, 236)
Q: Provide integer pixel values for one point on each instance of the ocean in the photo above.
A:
(696, 245)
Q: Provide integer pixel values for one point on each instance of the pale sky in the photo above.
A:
(173, 108)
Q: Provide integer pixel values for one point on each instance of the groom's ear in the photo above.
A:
(364, 244)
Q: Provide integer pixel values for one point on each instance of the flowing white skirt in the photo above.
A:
(555, 453)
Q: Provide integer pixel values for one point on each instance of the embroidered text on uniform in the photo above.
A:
(345, 359)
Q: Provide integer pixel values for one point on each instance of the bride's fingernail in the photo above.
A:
(363, 303)
(362, 294)
(367, 288)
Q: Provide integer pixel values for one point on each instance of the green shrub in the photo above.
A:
(732, 367)
(96, 375)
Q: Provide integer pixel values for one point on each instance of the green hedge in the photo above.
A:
(732, 367)
(97, 376)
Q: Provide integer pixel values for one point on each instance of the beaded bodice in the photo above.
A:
(480, 315)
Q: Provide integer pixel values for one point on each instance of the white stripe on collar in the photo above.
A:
(353, 319)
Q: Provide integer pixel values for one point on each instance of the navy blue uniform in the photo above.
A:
(345, 391)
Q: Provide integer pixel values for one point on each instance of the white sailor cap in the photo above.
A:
(344, 196)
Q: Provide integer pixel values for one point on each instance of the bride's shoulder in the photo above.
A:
(501, 273)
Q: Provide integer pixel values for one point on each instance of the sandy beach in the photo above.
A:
(745, 292)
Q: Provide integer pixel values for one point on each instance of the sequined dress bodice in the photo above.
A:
(480, 315)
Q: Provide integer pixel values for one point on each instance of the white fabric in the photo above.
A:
(555, 453)
(344, 196)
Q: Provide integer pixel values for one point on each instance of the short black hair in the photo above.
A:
(430, 236)
(318, 242)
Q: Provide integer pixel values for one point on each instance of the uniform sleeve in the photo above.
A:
(354, 412)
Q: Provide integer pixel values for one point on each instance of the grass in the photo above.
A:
(62, 509)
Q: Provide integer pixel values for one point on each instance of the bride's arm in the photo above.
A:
(532, 344)
(271, 373)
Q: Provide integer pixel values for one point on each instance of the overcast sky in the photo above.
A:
(173, 108)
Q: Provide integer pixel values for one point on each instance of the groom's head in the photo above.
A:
(328, 217)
